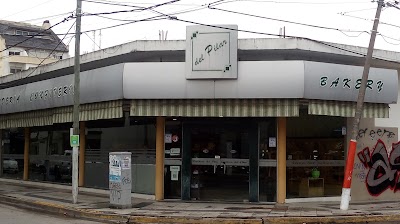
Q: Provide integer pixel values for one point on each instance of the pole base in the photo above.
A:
(344, 202)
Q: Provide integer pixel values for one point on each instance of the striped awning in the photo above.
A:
(216, 108)
(94, 111)
(347, 109)
(88, 112)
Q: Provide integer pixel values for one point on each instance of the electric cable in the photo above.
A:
(278, 35)
(51, 53)
(132, 10)
(287, 21)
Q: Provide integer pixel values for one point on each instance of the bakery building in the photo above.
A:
(208, 118)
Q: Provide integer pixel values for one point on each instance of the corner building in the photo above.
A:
(209, 118)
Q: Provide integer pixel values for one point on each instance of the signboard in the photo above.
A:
(74, 140)
(341, 82)
(58, 92)
(211, 53)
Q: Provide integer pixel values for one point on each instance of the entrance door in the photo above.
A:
(220, 162)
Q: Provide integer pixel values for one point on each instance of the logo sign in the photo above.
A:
(211, 53)
(74, 140)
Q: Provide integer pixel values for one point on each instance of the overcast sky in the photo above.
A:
(349, 15)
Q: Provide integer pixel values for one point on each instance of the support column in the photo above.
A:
(160, 144)
(82, 149)
(253, 164)
(281, 194)
(27, 136)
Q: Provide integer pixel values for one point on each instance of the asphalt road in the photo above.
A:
(12, 215)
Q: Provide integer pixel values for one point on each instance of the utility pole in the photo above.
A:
(77, 69)
(344, 203)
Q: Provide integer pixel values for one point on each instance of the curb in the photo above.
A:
(45, 207)
(56, 209)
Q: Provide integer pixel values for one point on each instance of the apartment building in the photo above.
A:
(24, 46)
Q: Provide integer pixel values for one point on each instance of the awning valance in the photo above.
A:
(216, 108)
(347, 109)
(93, 111)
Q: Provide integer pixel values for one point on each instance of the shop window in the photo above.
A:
(136, 136)
(315, 156)
(50, 155)
(13, 153)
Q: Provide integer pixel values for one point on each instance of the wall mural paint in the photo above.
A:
(377, 165)
(383, 168)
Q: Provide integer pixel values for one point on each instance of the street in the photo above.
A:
(12, 215)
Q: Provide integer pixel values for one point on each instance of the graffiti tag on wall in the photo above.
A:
(383, 168)
(375, 133)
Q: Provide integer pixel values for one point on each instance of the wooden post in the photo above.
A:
(27, 136)
(159, 188)
(82, 149)
(281, 160)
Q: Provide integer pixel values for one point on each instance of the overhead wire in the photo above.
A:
(279, 35)
(287, 21)
(42, 61)
(132, 10)
(47, 17)
(51, 53)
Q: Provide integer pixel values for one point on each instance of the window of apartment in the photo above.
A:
(14, 70)
(14, 53)
(18, 32)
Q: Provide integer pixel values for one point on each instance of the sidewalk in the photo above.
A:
(93, 204)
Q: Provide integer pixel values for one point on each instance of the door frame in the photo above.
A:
(251, 125)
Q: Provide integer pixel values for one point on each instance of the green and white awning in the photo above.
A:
(216, 108)
(347, 109)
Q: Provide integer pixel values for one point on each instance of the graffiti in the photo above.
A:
(115, 185)
(115, 195)
(375, 133)
(126, 180)
(383, 169)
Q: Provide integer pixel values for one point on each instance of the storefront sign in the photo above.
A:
(211, 53)
(341, 82)
(97, 85)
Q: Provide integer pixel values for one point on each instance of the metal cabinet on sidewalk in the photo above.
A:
(120, 183)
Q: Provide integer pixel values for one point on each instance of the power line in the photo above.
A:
(285, 2)
(111, 3)
(278, 35)
(132, 10)
(93, 41)
(27, 9)
(287, 21)
(47, 17)
(50, 52)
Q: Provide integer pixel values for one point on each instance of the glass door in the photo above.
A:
(219, 163)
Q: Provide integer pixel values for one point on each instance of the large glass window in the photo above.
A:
(105, 136)
(50, 154)
(13, 153)
(315, 156)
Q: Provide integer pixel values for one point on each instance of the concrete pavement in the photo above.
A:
(93, 205)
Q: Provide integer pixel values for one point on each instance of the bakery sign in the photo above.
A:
(211, 52)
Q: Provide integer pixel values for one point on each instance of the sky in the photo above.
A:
(349, 21)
